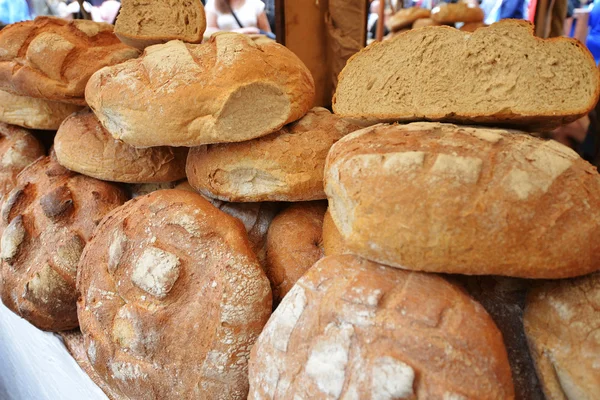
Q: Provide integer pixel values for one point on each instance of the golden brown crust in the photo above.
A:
(405, 18)
(46, 220)
(456, 12)
(172, 299)
(497, 202)
(229, 89)
(52, 59)
(351, 328)
(472, 26)
(294, 244)
(284, 166)
(83, 145)
(562, 323)
(423, 22)
(333, 242)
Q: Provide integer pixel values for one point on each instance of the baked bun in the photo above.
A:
(172, 299)
(18, 149)
(423, 22)
(333, 242)
(562, 321)
(52, 59)
(472, 26)
(405, 18)
(33, 113)
(456, 12)
(294, 244)
(353, 329)
(144, 23)
(83, 145)
(230, 89)
(284, 166)
(46, 220)
(444, 198)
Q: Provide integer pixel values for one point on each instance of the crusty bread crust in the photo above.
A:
(333, 242)
(33, 113)
(354, 329)
(405, 18)
(450, 13)
(52, 59)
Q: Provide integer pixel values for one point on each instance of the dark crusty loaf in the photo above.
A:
(229, 89)
(52, 59)
(450, 13)
(354, 329)
(83, 145)
(284, 166)
(172, 299)
(445, 198)
(33, 113)
(46, 220)
(499, 74)
(562, 322)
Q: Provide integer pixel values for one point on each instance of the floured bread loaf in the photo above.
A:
(172, 299)
(33, 113)
(18, 149)
(46, 221)
(142, 23)
(52, 59)
(230, 89)
(284, 166)
(451, 13)
(562, 321)
(333, 242)
(405, 18)
(501, 75)
(444, 198)
(294, 244)
(353, 329)
(83, 145)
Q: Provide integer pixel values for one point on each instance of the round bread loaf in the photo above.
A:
(46, 220)
(353, 329)
(84, 146)
(284, 166)
(423, 22)
(562, 323)
(172, 299)
(477, 201)
(472, 26)
(405, 18)
(229, 89)
(18, 149)
(458, 12)
(333, 242)
(33, 113)
(294, 244)
(142, 189)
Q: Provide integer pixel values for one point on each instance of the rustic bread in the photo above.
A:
(446, 13)
(405, 18)
(52, 59)
(354, 329)
(423, 22)
(229, 89)
(294, 244)
(172, 299)
(18, 149)
(142, 189)
(83, 145)
(333, 242)
(472, 26)
(46, 220)
(284, 166)
(33, 113)
(142, 23)
(444, 198)
(501, 74)
(562, 321)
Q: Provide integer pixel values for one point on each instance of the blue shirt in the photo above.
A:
(12, 11)
(593, 39)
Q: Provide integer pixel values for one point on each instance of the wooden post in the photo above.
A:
(380, 21)
(86, 15)
(280, 21)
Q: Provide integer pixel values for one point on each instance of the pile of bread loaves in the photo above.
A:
(200, 191)
(467, 17)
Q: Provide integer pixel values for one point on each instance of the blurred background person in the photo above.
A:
(242, 16)
(12, 11)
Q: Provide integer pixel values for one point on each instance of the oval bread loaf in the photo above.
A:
(172, 299)
(444, 198)
(354, 329)
(450, 13)
(405, 18)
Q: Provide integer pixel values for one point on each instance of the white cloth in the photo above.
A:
(247, 14)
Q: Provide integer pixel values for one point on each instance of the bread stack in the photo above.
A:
(240, 189)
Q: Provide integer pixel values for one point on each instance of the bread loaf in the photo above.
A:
(353, 329)
(83, 145)
(405, 18)
(284, 166)
(142, 23)
(142, 189)
(472, 26)
(294, 244)
(230, 89)
(33, 113)
(456, 12)
(501, 74)
(443, 198)
(172, 299)
(562, 321)
(423, 22)
(52, 59)
(18, 149)
(333, 242)
(46, 220)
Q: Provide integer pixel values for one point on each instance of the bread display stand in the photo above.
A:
(37, 365)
